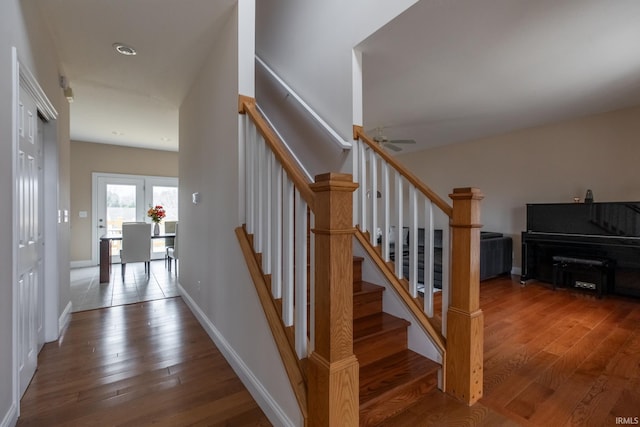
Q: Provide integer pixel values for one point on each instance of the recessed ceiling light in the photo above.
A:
(124, 49)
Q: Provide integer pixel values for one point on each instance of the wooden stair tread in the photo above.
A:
(380, 378)
(364, 287)
(376, 324)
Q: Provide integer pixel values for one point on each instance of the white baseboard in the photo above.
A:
(82, 264)
(516, 271)
(65, 317)
(10, 418)
(270, 407)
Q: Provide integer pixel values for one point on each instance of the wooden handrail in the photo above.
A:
(358, 133)
(247, 105)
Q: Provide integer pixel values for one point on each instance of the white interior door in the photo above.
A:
(119, 200)
(30, 237)
(41, 228)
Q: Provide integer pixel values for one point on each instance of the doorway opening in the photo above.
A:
(119, 198)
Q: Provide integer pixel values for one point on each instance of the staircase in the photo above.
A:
(392, 377)
(346, 359)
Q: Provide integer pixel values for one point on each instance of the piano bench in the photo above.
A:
(564, 266)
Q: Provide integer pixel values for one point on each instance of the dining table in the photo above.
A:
(105, 252)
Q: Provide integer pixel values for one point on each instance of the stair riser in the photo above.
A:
(377, 347)
(357, 272)
(366, 304)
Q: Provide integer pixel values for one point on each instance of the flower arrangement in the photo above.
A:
(156, 213)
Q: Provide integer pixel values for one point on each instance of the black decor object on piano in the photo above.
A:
(592, 231)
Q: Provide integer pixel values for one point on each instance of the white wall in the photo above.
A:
(547, 164)
(37, 53)
(212, 269)
(309, 45)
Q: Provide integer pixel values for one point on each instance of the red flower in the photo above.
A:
(156, 213)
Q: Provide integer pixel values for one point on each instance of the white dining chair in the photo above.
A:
(169, 227)
(136, 245)
(172, 252)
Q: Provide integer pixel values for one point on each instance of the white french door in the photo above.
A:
(119, 200)
(125, 198)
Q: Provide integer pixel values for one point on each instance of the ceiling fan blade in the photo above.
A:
(392, 147)
(402, 141)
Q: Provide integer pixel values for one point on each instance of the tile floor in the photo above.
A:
(87, 293)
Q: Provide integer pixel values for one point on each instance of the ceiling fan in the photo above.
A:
(385, 142)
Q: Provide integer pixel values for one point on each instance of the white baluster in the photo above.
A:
(267, 188)
(243, 119)
(276, 241)
(399, 213)
(446, 268)
(288, 253)
(251, 145)
(355, 166)
(363, 188)
(301, 277)
(312, 284)
(259, 186)
(413, 241)
(428, 257)
(386, 220)
(373, 197)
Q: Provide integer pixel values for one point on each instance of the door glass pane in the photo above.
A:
(121, 207)
(167, 197)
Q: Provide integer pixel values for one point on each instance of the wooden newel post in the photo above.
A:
(333, 368)
(465, 322)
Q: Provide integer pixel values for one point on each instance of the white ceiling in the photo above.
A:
(442, 72)
(133, 100)
(457, 70)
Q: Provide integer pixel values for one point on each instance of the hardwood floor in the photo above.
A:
(135, 365)
(559, 358)
(551, 359)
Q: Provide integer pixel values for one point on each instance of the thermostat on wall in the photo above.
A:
(195, 198)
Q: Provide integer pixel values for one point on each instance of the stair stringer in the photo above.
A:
(418, 339)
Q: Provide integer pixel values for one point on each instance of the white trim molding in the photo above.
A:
(65, 317)
(266, 402)
(81, 264)
(11, 417)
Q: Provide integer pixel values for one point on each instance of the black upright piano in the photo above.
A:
(608, 231)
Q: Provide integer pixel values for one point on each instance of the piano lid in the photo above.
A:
(600, 219)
